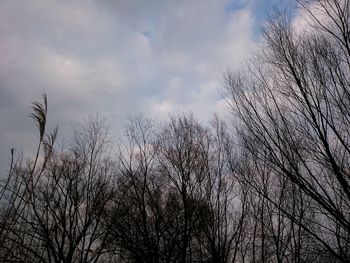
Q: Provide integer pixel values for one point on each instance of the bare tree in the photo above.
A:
(179, 201)
(57, 202)
(292, 106)
(137, 215)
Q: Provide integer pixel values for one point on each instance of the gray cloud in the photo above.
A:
(116, 58)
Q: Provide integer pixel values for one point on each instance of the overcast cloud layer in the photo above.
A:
(118, 58)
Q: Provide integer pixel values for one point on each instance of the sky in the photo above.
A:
(118, 59)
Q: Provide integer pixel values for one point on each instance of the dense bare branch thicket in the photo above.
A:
(53, 206)
(168, 196)
(178, 194)
(293, 111)
(277, 191)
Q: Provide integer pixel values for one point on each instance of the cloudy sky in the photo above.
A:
(118, 58)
